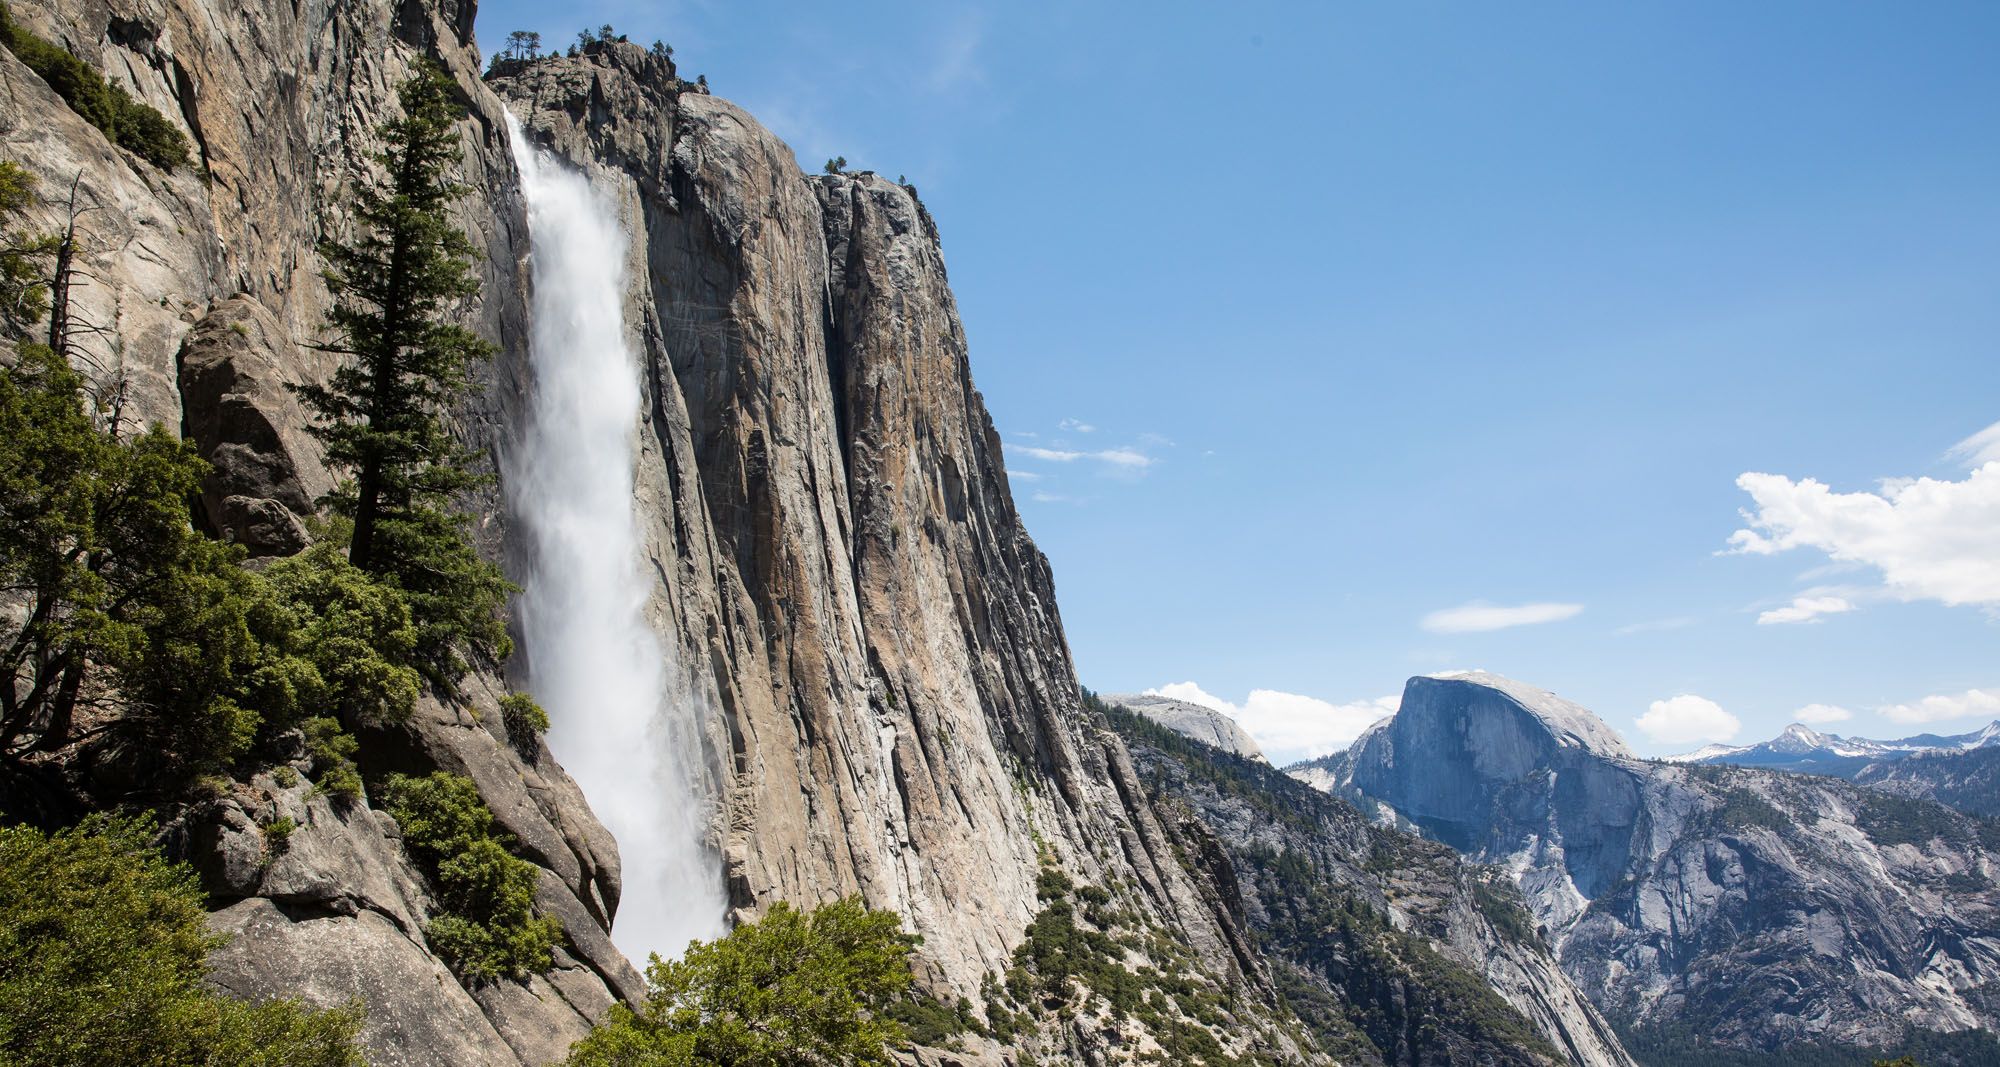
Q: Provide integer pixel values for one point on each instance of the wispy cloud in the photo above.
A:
(1806, 609)
(955, 63)
(1480, 617)
(1127, 458)
(1023, 476)
(1979, 449)
(1077, 426)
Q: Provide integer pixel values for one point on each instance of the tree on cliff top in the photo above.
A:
(382, 414)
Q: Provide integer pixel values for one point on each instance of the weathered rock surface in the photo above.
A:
(893, 708)
(268, 474)
(1756, 907)
(1206, 725)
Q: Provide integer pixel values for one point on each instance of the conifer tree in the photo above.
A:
(382, 414)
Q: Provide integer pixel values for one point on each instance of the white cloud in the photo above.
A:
(1945, 706)
(1479, 617)
(1806, 609)
(1077, 425)
(1930, 539)
(1024, 476)
(1127, 459)
(1688, 718)
(1822, 713)
(1979, 449)
(1290, 727)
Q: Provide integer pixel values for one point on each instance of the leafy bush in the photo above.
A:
(794, 988)
(126, 122)
(488, 928)
(102, 959)
(332, 751)
(524, 719)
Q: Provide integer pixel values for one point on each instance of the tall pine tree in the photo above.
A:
(382, 415)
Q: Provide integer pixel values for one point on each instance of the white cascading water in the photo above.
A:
(623, 720)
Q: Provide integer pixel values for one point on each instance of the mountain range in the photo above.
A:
(1756, 908)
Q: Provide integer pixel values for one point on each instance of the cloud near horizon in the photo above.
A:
(1290, 727)
(1686, 719)
(1482, 617)
(1943, 707)
(1817, 714)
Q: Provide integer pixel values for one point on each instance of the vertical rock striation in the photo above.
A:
(894, 710)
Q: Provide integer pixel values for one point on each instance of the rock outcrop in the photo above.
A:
(1206, 725)
(1756, 907)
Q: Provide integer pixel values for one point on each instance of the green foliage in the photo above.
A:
(96, 544)
(794, 989)
(487, 928)
(278, 834)
(24, 287)
(201, 659)
(1412, 993)
(1899, 820)
(1499, 900)
(332, 752)
(102, 950)
(354, 631)
(126, 122)
(524, 719)
(837, 165)
(1742, 809)
(382, 414)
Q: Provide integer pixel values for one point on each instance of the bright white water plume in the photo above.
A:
(622, 718)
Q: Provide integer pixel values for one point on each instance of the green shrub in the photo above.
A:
(793, 988)
(487, 927)
(332, 750)
(103, 946)
(278, 834)
(126, 122)
(524, 719)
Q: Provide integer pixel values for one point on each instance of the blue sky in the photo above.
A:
(1308, 324)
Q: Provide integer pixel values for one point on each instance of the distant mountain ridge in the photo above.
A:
(1763, 910)
(1801, 748)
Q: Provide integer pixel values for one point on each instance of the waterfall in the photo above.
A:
(624, 720)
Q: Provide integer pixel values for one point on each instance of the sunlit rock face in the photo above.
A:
(1762, 907)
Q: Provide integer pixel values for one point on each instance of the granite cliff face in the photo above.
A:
(1758, 907)
(893, 710)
